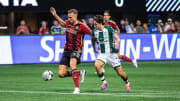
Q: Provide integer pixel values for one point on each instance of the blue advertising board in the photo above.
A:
(49, 49)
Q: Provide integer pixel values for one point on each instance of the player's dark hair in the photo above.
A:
(75, 11)
(99, 19)
(107, 11)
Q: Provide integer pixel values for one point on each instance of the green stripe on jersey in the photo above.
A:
(101, 39)
(110, 39)
(111, 33)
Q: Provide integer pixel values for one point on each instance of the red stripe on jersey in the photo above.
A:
(71, 34)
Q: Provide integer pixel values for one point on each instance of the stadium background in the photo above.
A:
(153, 80)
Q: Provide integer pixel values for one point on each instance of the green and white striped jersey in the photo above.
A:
(105, 39)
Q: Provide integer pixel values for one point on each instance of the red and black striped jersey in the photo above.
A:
(75, 35)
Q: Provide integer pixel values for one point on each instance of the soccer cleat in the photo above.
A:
(82, 73)
(128, 87)
(104, 86)
(76, 91)
(135, 63)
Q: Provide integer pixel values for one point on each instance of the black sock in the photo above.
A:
(101, 76)
(125, 79)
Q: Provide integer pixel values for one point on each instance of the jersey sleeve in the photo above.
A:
(113, 25)
(85, 29)
(66, 23)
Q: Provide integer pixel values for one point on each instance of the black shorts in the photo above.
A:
(67, 55)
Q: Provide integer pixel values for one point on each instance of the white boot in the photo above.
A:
(82, 73)
(135, 63)
(76, 91)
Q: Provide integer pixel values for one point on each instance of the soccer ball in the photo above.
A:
(47, 75)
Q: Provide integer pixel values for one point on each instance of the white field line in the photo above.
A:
(150, 95)
(158, 62)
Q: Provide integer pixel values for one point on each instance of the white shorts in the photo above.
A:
(111, 59)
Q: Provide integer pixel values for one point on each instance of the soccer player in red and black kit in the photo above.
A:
(109, 22)
(75, 31)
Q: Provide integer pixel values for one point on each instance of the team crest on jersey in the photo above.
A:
(77, 27)
(71, 31)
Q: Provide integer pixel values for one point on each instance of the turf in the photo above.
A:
(152, 81)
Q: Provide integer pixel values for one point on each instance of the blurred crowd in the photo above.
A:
(168, 26)
(23, 29)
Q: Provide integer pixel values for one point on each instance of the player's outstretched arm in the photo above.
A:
(61, 21)
(117, 41)
(118, 30)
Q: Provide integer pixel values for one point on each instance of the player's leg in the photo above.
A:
(74, 60)
(63, 72)
(75, 75)
(100, 73)
(123, 75)
(114, 61)
(125, 58)
(63, 66)
(102, 70)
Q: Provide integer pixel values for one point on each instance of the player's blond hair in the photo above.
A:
(75, 11)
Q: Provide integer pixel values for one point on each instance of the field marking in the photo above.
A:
(158, 62)
(144, 62)
(150, 95)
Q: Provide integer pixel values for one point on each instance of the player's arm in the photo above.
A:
(117, 41)
(86, 29)
(93, 41)
(116, 36)
(118, 30)
(61, 21)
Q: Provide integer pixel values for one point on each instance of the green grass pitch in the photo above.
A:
(152, 81)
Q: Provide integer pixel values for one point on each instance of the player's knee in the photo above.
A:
(61, 74)
(97, 65)
(73, 66)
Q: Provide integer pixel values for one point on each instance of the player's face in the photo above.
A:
(97, 25)
(72, 17)
(106, 16)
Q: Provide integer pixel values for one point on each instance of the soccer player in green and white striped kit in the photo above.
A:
(104, 35)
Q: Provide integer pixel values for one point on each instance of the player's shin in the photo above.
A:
(75, 76)
(122, 74)
(125, 79)
(101, 76)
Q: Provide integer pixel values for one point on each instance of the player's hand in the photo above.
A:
(53, 11)
(98, 48)
(116, 45)
(96, 51)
